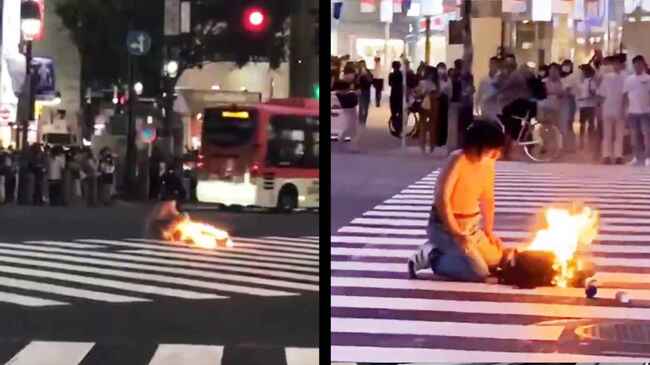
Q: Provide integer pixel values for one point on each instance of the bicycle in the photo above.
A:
(542, 142)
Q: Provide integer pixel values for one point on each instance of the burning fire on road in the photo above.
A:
(550, 259)
(199, 234)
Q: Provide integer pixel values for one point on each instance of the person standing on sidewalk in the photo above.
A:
(587, 102)
(486, 97)
(56, 163)
(38, 166)
(444, 84)
(396, 83)
(89, 169)
(636, 101)
(106, 175)
(611, 90)
(378, 81)
(364, 82)
(428, 93)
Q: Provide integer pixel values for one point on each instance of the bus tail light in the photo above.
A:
(255, 170)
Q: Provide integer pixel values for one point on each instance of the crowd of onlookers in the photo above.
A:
(56, 175)
(605, 97)
(59, 176)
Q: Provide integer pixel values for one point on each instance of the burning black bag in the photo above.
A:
(528, 269)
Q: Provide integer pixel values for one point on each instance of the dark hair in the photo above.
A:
(396, 65)
(431, 74)
(483, 135)
(554, 64)
(638, 58)
(510, 55)
(441, 64)
(565, 62)
(587, 70)
(458, 63)
(495, 59)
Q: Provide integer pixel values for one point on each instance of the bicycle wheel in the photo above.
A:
(543, 143)
(411, 124)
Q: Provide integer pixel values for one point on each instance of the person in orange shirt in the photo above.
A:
(462, 244)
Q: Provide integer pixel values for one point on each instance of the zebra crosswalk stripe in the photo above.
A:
(52, 353)
(74, 353)
(142, 272)
(379, 315)
(187, 354)
(301, 356)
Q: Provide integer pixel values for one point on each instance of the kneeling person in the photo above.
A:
(462, 245)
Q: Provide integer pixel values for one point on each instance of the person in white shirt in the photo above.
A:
(487, 95)
(586, 101)
(636, 99)
(56, 164)
(611, 90)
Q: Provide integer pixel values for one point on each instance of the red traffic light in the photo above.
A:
(255, 19)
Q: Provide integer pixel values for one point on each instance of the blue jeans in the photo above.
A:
(470, 264)
(639, 125)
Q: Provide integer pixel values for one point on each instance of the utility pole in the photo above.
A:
(130, 139)
(427, 41)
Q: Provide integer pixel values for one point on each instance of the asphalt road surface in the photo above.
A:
(82, 286)
(379, 315)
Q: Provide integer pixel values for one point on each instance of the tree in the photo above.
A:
(98, 28)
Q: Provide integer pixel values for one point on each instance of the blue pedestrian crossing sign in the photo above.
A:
(138, 43)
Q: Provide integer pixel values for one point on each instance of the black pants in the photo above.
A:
(38, 188)
(465, 118)
(379, 87)
(396, 105)
(443, 120)
(10, 187)
(519, 108)
(56, 192)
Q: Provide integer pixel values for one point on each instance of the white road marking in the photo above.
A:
(301, 356)
(174, 354)
(415, 355)
(164, 278)
(27, 300)
(52, 353)
(452, 329)
(67, 291)
(490, 307)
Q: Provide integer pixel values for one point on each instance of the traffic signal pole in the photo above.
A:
(130, 141)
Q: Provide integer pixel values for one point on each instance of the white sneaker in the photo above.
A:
(633, 162)
(647, 162)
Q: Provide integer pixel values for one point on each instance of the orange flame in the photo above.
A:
(200, 234)
(564, 234)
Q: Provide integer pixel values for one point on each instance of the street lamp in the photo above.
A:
(171, 68)
(138, 87)
(30, 26)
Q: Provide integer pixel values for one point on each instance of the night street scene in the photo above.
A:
(159, 182)
(490, 181)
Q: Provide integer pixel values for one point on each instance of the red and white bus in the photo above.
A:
(263, 155)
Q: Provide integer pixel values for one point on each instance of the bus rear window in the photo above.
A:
(293, 142)
(229, 128)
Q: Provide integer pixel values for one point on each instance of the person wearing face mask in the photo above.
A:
(428, 91)
(444, 86)
(461, 243)
(572, 82)
(611, 90)
(514, 97)
(486, 97)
